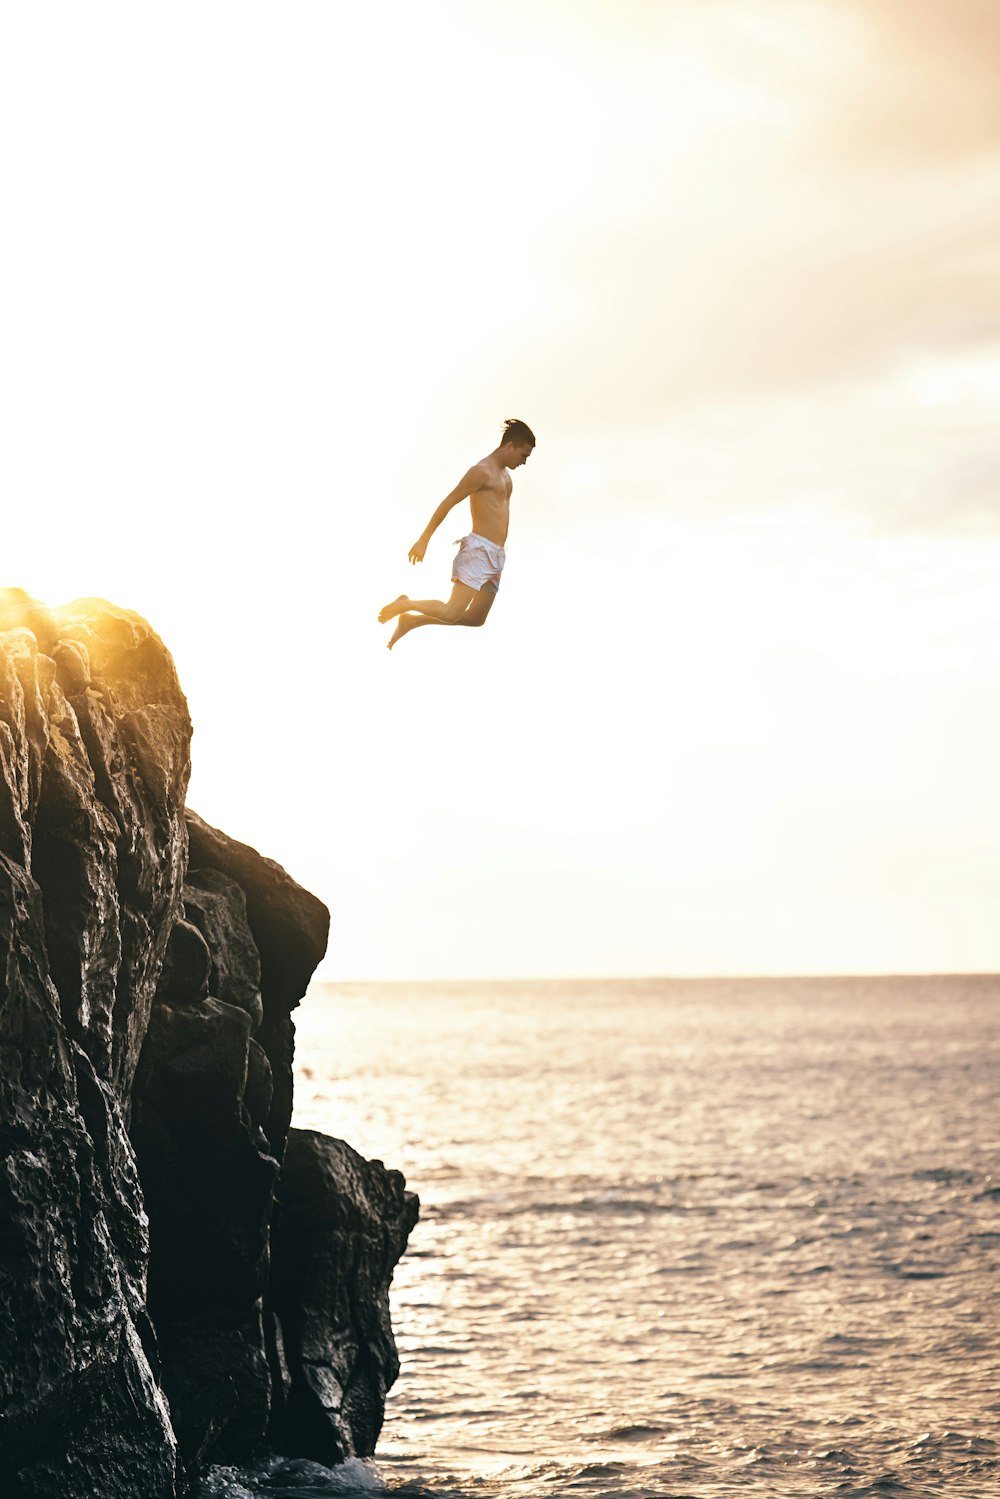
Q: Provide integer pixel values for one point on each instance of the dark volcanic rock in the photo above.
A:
(290, 929)
(134, 722)
(343, 1225)
(208, 1142)
(187, 966)
(218, 908)
(93, 845)
(146, 1047)
(208, 1178)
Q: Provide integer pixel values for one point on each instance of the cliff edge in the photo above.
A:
(182, 1278)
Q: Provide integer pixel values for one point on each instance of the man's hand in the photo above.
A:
(418, 549)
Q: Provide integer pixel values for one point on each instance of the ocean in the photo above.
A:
(678, 1237)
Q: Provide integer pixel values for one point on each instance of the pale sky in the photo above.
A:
(273, 276)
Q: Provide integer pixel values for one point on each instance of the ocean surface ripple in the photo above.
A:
(679, 1237)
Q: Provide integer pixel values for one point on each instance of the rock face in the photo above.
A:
(150, 967)
(343, 1225)
(209, 1127)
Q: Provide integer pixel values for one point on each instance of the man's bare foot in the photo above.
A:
(391, 610)
(407, 622)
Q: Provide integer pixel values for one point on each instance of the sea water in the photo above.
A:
(678, 1237)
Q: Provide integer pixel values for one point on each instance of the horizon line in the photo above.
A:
(617, 978)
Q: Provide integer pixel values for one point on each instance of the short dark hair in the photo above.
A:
(515, 431)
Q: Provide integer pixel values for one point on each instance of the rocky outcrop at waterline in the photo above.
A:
(343, 1225)
(150, 968)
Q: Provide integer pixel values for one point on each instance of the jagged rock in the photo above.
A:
(80, 948)
(343, 1225)
(260, 1085)
(218, 908)
(146, 1051)
(209, 1146)
(290, 929)
(208, 1179)
(187, 966)
(134, 722)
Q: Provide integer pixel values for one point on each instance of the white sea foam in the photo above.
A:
(224, 1483)
(291, 1478)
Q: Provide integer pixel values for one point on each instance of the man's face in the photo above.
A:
(521, 452)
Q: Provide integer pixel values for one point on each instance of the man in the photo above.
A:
(476, 572)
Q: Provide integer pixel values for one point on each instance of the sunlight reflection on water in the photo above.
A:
(681, 1237)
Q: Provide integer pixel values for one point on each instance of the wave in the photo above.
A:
(291, 1478)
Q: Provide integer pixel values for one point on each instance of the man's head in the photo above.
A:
(516, 443)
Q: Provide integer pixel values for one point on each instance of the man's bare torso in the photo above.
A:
(490, 501)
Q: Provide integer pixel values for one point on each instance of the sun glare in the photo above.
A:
(256, 338)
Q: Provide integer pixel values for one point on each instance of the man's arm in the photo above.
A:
(473, 480)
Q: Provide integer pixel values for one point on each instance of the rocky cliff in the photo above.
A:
(182, 1279)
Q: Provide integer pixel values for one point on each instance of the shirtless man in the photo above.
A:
(476, 572)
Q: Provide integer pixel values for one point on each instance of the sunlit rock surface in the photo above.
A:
(146, 1051)
(94, 735)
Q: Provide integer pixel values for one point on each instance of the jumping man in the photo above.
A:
(476, 572)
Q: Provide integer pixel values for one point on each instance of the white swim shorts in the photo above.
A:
(479, 563)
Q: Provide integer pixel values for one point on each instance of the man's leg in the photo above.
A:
(467, 606)
(442, 613)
